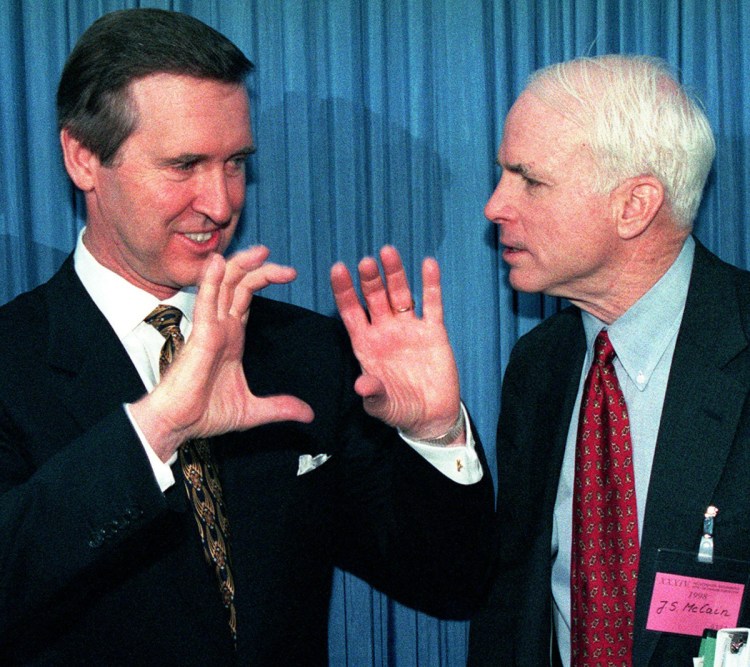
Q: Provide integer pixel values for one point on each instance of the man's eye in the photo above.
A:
(186, 166)
(531, 182)
(235, 166)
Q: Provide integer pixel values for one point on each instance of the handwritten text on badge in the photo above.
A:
(688, 605)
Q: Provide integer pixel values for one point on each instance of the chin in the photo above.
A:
(182, 280)
(519, 282)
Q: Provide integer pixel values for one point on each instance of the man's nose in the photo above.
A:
(498, 207)
(213, 198)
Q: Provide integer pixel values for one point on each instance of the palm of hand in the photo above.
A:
(409, 377)
(415, 372)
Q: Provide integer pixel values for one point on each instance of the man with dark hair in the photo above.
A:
(129, 538)
(93, 97)
(624, 417)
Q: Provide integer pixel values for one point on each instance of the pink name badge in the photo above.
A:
(688, 605)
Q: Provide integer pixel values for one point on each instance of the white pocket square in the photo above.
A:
(308, 463)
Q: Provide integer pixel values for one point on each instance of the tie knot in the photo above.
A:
(604, 353)
(165, 319)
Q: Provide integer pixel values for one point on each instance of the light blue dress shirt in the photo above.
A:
(644, 340)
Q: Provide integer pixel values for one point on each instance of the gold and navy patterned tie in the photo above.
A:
(199, 474)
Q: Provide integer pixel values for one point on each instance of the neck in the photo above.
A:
(638, 270)
(122, 269)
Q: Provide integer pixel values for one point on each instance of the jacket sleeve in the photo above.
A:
(404, 526)
(58, 519)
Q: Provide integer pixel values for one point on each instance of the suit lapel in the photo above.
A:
(702, 407)
(94, 376)
(95, 373)
(566, 376)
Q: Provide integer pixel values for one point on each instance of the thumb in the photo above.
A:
(371, 388)
(280, 408)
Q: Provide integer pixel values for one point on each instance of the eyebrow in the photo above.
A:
(199, 157)
(518, 168)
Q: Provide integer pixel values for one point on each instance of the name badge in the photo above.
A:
(688, 605)
(691, 595)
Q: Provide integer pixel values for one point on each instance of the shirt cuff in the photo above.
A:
(458, 462)
(162, 471)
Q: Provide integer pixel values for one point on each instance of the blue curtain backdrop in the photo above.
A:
(378, 121)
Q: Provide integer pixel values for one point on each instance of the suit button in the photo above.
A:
(97, 538)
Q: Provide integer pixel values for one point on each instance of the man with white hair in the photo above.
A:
(624, 421)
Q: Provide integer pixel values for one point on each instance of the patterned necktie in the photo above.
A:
(604, 563)
(199, 474)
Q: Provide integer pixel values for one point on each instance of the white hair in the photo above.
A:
(638, 120)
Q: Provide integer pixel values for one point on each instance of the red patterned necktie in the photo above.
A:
(604, 563)
(199, 474)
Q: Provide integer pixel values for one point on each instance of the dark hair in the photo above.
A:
(93, 100)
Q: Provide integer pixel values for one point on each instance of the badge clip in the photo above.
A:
(706, 546)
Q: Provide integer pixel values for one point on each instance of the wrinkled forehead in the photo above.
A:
(536, 130)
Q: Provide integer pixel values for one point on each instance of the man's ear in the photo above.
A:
(636, 202)
(80, 163)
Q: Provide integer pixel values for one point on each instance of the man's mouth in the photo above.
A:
(199, 237)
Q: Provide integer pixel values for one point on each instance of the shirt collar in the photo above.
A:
(642, 334)
(123, 304)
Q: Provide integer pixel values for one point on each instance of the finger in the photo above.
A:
(399, 294)
(370, 388)
(247, 260)
(432, 295)
(254, 261)
(279, 274)
(238, 266)
(206, 301)
(226, 295)
(373, 289)
(256, 280)
(347, 301)
(373, 393)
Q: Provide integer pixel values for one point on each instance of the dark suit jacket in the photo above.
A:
(702, 458)
(98, 567)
